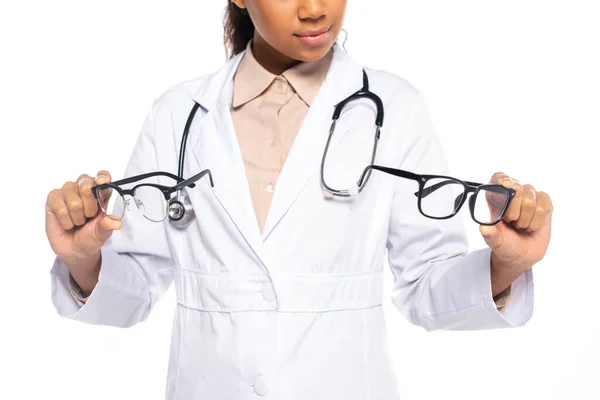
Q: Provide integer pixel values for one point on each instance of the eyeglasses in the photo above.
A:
(151, 199)
(488, 202)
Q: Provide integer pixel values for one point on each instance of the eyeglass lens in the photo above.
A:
(488, 204)
(435, 204)
(149, 200)
(111, 202)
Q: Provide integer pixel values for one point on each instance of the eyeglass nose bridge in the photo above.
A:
(127, 202)
(472, 203)
(138, 202)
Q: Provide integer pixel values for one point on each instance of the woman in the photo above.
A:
(278, 279)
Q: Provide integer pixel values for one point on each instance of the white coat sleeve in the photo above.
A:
(438, 284)
(136, 268)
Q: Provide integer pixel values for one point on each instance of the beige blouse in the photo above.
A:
(267, 112)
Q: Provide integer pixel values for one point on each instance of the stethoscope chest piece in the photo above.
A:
(180, 210)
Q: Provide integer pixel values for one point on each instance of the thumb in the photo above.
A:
(103, 227)
(95, 233)
(492, 235)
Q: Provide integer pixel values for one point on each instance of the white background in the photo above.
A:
(512, 86)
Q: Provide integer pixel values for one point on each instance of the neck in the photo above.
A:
(271, 59)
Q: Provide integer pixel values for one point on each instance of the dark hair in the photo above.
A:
(238, 29)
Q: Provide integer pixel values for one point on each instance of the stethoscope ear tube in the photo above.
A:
(328, 191)
(180, 210)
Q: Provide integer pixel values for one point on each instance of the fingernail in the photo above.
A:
(84, 180)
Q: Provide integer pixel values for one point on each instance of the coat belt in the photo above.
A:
(233, 292)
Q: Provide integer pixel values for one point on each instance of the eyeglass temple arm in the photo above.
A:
(150, 175)
(189, 181)
(392, 171)
(427, 191)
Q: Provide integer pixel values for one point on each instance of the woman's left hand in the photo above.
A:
(521, 238)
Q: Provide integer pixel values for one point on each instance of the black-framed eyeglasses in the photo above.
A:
(151, 199)
(488, 202)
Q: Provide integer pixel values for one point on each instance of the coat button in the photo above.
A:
(261, 386)
(268, 292)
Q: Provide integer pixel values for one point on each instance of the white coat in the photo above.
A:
(294, 313)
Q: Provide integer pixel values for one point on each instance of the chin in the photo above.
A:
(313, 54)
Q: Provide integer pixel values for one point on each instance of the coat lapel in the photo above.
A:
(214, 145)
(304, 159)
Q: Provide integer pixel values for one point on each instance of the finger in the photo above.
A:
(56, 205)
(84, 188)
(528, 207)
(498, 177)
(514, 209)
(73, 202)
(543, 210)
(103, 177)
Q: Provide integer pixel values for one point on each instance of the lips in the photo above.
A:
(314, 32)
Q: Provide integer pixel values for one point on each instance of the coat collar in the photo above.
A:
(218, 87)
(214, 144)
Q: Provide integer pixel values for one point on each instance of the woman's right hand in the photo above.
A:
(75, 226)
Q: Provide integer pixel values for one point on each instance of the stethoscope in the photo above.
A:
(180, 210)
(364, 92)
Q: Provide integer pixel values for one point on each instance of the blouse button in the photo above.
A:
(270, 188)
